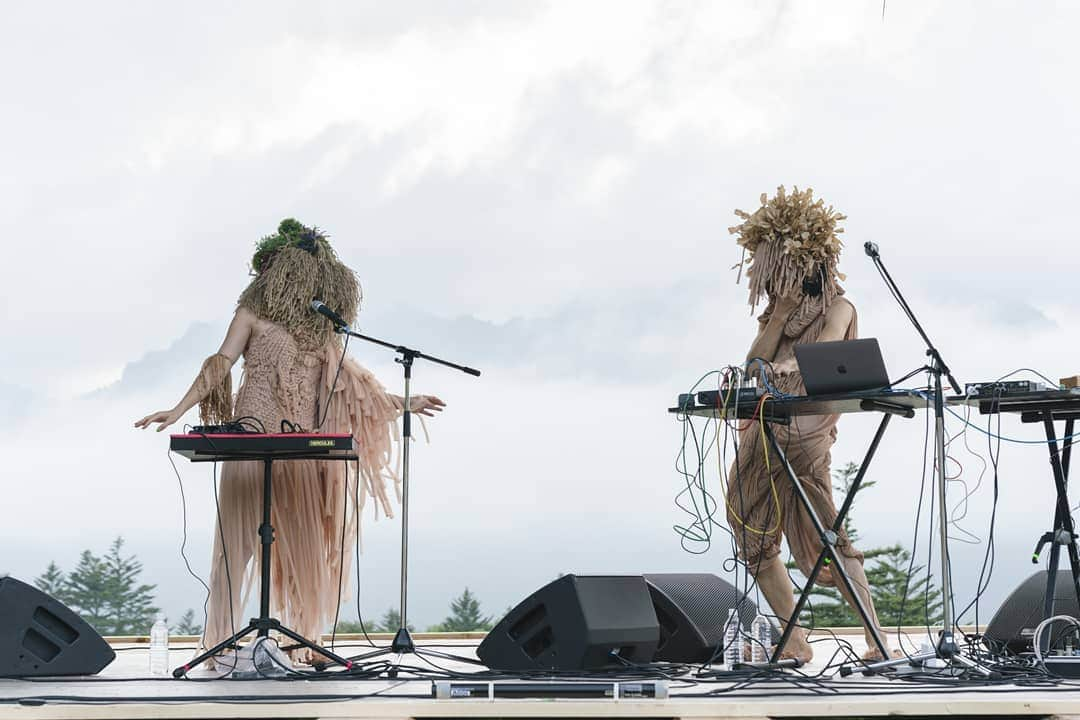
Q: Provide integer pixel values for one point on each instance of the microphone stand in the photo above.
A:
(946, 648)
(403, 643)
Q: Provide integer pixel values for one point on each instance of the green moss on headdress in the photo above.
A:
(290, 232)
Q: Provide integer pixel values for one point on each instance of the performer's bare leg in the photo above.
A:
(857, 573)
(775, 585)
(805, 305)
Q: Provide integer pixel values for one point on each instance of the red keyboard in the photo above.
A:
(228, 446)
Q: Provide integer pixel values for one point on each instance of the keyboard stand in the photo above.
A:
(829, 536)
(1063, 532)
(263, 624)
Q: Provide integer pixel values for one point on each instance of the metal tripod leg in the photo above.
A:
(223, 645)
(828, 542)
(914, 660)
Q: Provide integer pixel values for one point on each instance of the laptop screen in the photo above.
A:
(843, 366)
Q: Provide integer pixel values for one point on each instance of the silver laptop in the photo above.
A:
(830, 368)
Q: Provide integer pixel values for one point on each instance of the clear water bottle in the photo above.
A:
(159, 647)
(733, 640)
(761, 643)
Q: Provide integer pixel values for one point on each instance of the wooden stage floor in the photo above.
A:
(125, 690)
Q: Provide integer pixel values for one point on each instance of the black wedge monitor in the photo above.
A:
(844, 366)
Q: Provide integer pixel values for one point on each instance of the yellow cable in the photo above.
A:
(720, 461)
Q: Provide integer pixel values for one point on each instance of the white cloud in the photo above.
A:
(461, 96)
(538, 162)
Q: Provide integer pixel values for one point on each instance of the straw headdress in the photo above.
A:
(790, 238)
(293, 267)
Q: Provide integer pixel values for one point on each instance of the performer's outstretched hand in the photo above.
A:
(426, 405)
(165, 417)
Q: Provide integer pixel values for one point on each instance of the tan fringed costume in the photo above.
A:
(291, 358)
(312, 499)
(792, 239)
(807, 441)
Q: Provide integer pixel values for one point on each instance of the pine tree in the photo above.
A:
(86, 590)
(187, 625)
(391, 622)
(919, 599)
(353, 626)
(51, 582)
(465, 615)
(105, 592)
(130, 605)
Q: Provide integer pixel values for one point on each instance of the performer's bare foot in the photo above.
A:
(797, 648)
(874, 655)
(306, 656)
(224, 661)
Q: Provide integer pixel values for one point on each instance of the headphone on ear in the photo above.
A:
(814, 284)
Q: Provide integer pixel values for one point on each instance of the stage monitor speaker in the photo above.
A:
(578, 622)
(1013, 625)
(692, 609)
(40, 636)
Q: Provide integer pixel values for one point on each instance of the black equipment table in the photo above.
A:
(1047, 407)
(732, 405)
(265, 448)
(744, 405)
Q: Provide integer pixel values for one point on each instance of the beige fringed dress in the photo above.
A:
(751, 505)
(312, 500)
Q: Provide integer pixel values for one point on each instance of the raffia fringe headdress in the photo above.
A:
(292, 268)
(788, 238)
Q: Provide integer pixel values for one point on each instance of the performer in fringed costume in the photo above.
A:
(793, 247)
(291, 358)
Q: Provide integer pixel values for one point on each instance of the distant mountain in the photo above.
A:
(181, 359)
(16, 402)
(616, 341)
(621, 341)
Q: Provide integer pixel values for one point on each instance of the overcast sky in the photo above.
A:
(540, 190)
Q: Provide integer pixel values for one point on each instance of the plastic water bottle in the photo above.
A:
(761, 644)
(733, 640)
(159, 647)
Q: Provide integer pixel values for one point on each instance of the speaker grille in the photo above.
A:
(1014, 623)
(692, 609)
(705, 599)
(576, 622)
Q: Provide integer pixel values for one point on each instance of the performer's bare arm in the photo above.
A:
(236, 340)
(837, 321)
(768, 338)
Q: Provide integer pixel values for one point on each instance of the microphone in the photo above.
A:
(338, 321)
(871, 249)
